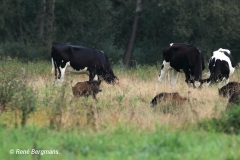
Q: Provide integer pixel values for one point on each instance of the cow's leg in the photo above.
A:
(225, 81)
(53, 72)
(93, 75)
(197, 84)
(187, 76)
(208, 83)
(62, 72)
(164, 69)
(174, 78)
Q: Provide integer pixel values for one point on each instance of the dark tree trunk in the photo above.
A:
(50, 21)
(130, 47)
(41, 22)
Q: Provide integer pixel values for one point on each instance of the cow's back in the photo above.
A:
(79, 56)
(180, 55)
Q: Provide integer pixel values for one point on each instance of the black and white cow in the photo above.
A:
(221, 66)
(182, 57)
(81, 58)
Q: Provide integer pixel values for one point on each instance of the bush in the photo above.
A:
(8, 85)
(229, 122)
(15, 92)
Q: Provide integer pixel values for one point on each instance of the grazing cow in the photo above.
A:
(81, 58)
(221, 66)
(165, 97)
(182, 57)
(86, 88)
(229, 89)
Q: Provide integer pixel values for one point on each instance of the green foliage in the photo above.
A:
(107, 25)
(24, 100)
(229, 122)
(121, 142)
(55, 103)
(8, 85)
(15, 91)
(23, 51)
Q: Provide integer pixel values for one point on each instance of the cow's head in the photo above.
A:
(109, 76)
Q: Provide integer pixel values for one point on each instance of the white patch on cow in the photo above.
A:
(164, 70)
(95, 78)
(171, 44)
(166, 67)
(62, 70)
(219, 55)
(81, 71)
(224, 81)
(224, 50)
(174, 78)
(197, 84)
(69, 69)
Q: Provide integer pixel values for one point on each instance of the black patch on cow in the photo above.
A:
(218, 69)
(230, 57)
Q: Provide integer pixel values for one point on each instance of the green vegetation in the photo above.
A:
(121, 142)
(107, 25)
(38, 114)
(120, 125)
(228, 123)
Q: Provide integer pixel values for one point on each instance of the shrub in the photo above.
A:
(229, 122)
(55, 103)
(8, 85)
(24, 100)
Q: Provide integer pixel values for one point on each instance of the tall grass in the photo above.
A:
(120, 125)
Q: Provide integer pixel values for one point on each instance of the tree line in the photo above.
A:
(136, 29)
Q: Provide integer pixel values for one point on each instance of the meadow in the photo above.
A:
(41, 115)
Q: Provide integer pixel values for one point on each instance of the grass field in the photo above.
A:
(120, 125)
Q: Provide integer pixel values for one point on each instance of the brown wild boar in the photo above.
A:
(87, 88)
(227, 90)
(233, 100)
(168, 97)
